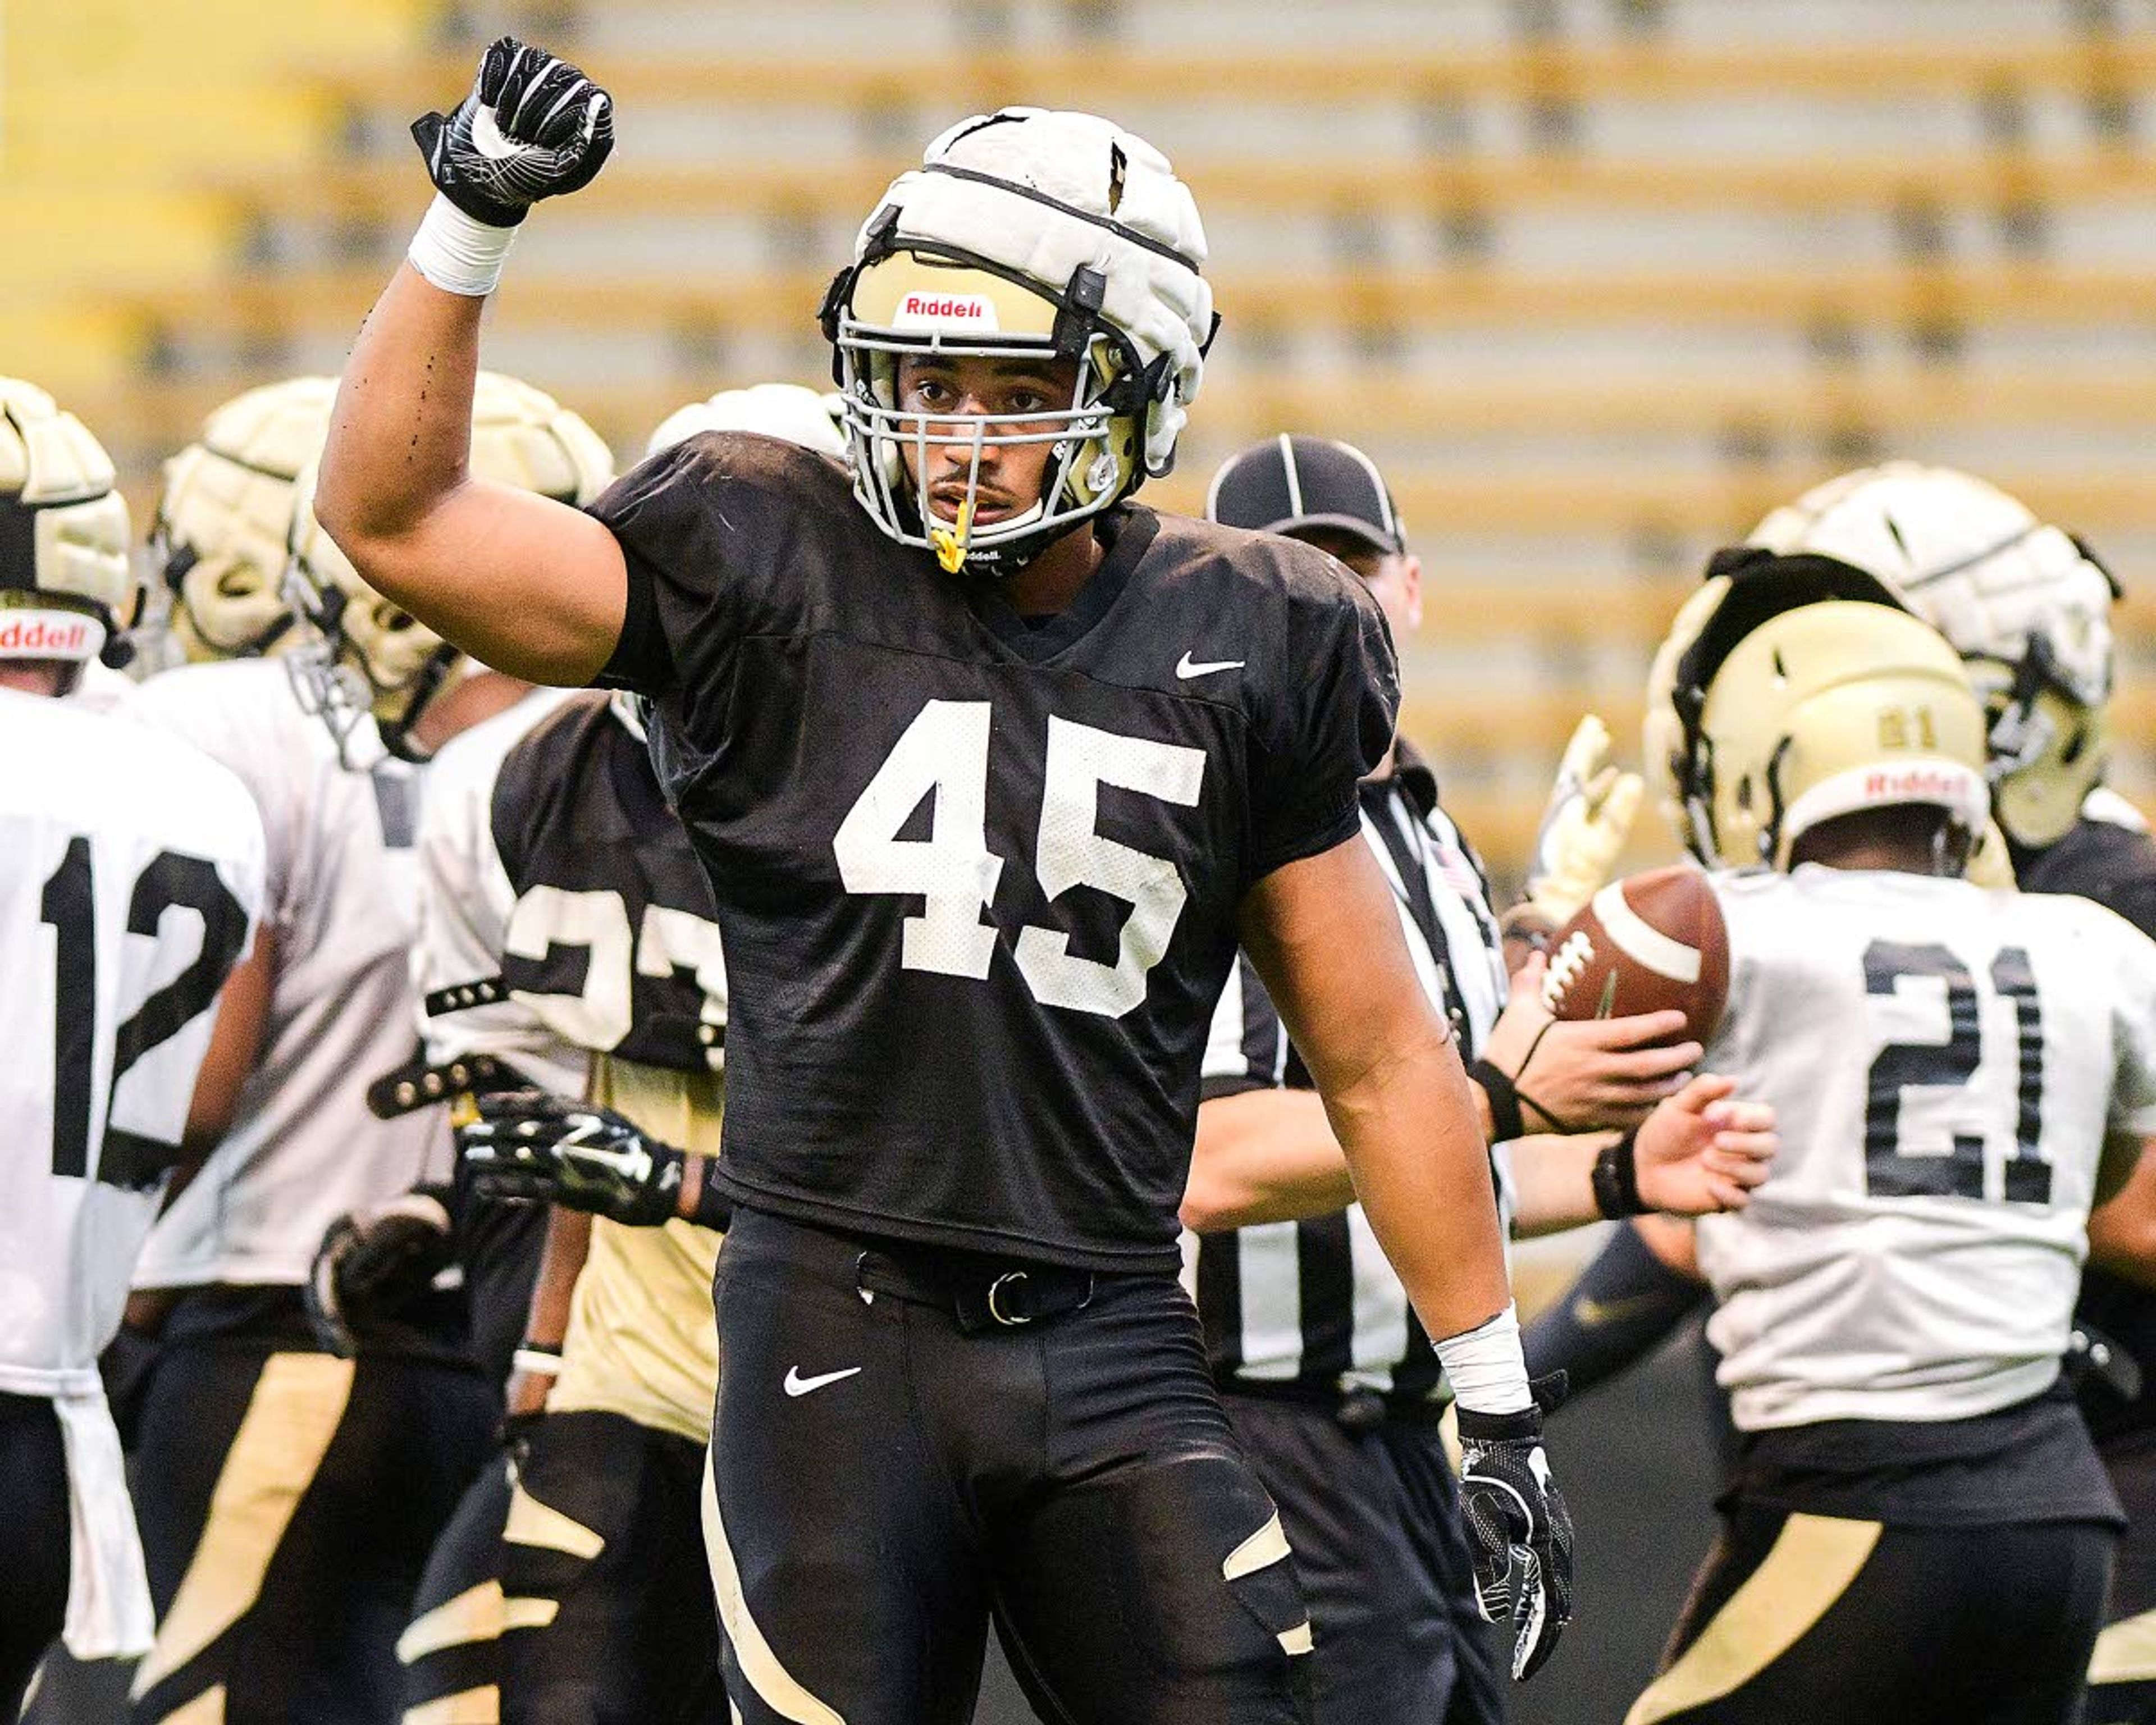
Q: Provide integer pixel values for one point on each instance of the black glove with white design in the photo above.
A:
(372, 1263)
(1517, 1525)
(529, 1146)
(533, 126)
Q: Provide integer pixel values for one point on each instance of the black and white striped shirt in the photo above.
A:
(1312, 1307)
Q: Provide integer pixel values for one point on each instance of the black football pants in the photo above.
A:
(571, 1588)
(288, 1501)
(1818, 1618)
(34, 1538)
(1372, 1511)
(2122, 1673)
(885, 1481)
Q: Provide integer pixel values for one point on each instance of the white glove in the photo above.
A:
(1584, 825)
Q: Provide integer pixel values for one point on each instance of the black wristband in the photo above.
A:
(1616, 1179)
(1505, 1123)
(713, 1209)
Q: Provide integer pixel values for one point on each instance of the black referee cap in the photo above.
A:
(1296, 484)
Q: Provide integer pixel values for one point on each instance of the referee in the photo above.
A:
(1331, 1384)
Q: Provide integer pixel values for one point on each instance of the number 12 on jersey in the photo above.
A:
(130, 1159)
(945, 754)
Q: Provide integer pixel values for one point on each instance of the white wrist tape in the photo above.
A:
(539, 1362)
(458, 254)
(1488, 1373)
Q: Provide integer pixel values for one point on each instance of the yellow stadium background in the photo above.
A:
(1597, 282)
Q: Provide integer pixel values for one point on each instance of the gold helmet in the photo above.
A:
(68, 585)
(367, 656)
(1025, 234)
(2026, 605)
(224, 519)
(1793, 689)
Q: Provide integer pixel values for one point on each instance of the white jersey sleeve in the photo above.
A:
(2133, 1028)
(1945, 1063)
(342, 904)
(465, 901)
(134, 879)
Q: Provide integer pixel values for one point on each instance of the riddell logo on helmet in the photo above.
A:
(1918, 782)
(41, 635)
(946, 308)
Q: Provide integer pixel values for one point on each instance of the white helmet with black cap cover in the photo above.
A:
(68, 584)
(1024, 234)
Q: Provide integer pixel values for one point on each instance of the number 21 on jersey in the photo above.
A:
(1890, 1170)
(945, 754)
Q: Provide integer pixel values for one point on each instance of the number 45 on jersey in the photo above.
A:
(944, 754)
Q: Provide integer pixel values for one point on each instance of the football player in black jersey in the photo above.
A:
(989, 768)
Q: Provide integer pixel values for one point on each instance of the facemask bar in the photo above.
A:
(330, 687)
(2023, 730)
(883, 432)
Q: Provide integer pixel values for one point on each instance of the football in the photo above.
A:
(1644, 944)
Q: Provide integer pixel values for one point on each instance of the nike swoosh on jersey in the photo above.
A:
(796, 1384)
(1186, 668)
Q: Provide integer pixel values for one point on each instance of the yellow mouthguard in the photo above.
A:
(950, 543)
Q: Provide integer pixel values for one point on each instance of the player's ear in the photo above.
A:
(1411, 587)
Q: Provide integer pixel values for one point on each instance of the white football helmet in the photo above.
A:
(1025, 232)
(224, 519)
(2025, 603)
(814, 420)
(68, 585)
(366, 656)
(1793, 689)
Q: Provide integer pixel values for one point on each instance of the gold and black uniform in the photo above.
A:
(978, 876)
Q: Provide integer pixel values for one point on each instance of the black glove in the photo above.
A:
(540, 1148)
(372, 1263)
(532, 127)
(1517, 1525)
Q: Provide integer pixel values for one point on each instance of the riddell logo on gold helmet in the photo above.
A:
(947, 308)
(1917, 784)
(41, 635)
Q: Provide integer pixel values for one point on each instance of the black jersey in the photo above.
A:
(2116, 866)
(612, 936)
(977, 875)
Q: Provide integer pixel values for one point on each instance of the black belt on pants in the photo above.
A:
(981, 1293)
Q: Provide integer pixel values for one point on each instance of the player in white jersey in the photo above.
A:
(290, 1497)
(1919, 1528)
(133, 880)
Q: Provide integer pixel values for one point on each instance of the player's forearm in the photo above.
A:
(561, 1261)
(2121, 1231)
(1264, 1156)
(528, 585)
(1553, 1183)
(400, 435)
(1421, 1171)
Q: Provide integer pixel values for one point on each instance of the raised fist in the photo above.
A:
(533, 126)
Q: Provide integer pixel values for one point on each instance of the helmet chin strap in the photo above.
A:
(396, 733)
